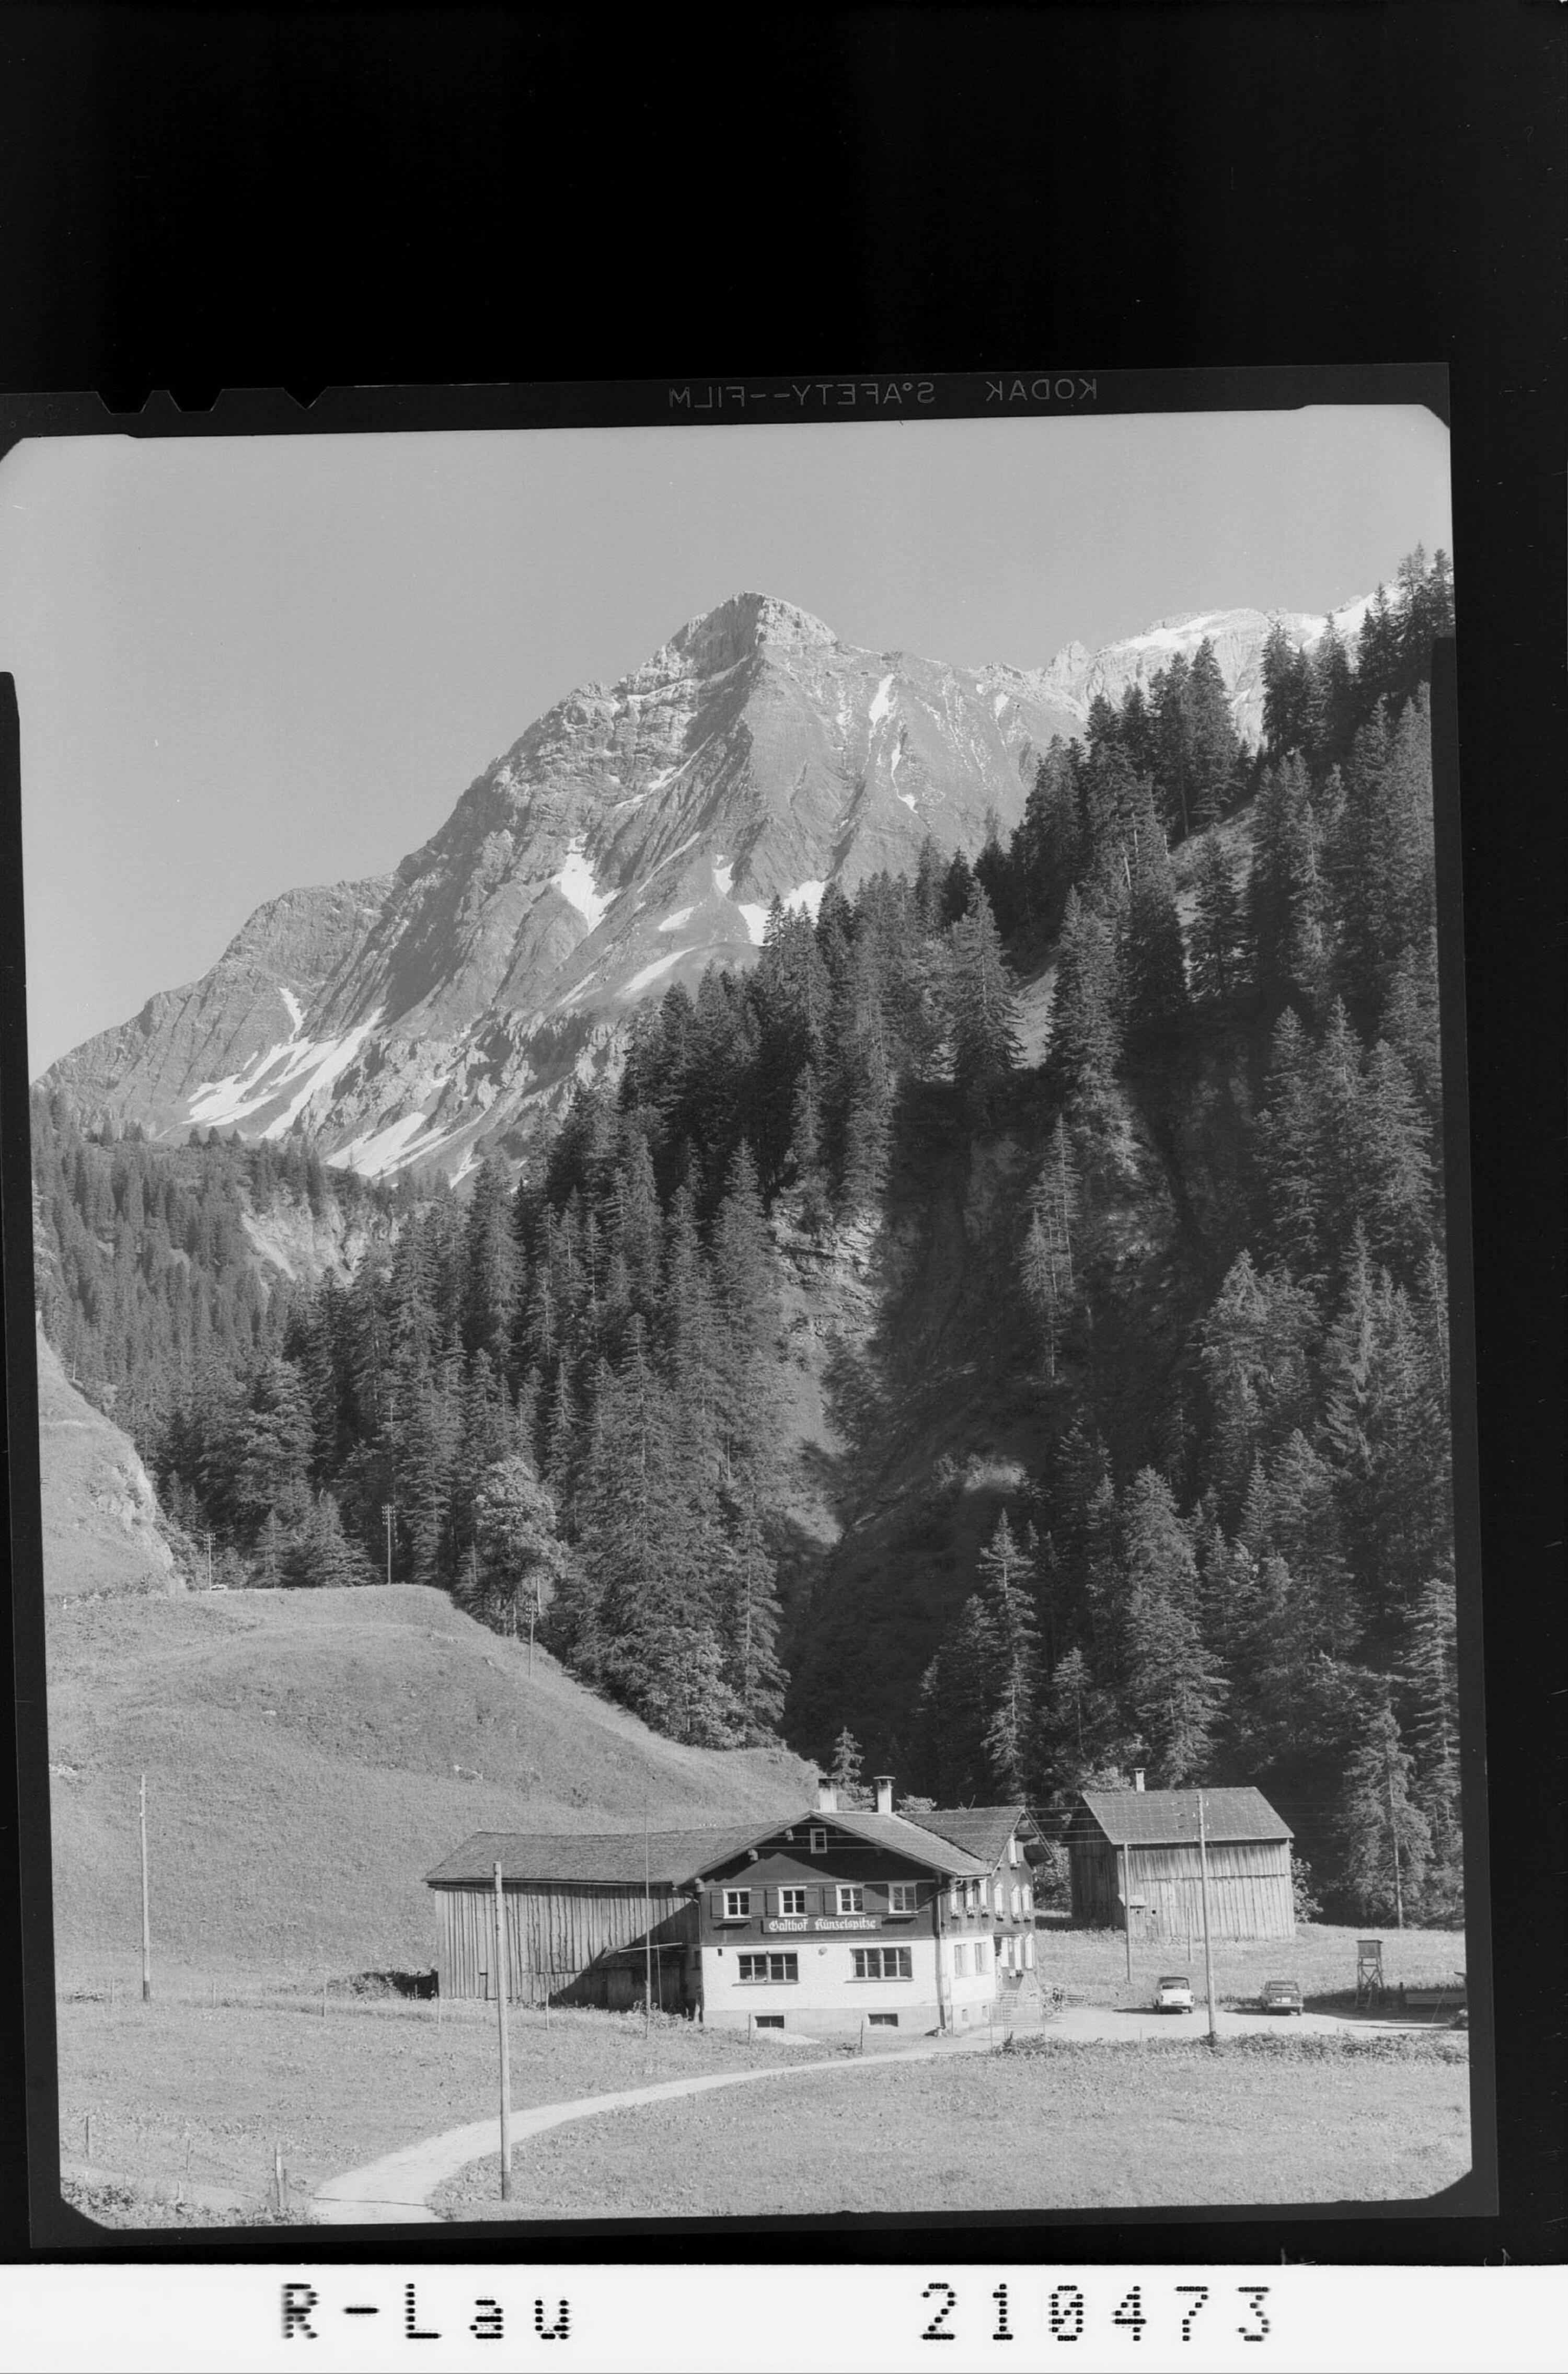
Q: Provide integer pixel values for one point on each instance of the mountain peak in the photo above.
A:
(745, 624)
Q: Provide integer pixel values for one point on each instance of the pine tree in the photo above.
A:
(1046, 1262)
(1085, 1012)
(1285, 891)
(1216, 927)
(1385, 1837)
(752, 1618)
(985, 1046)
(1214, 747)
(844, 1774)
(1006, 1573)
(1285, 685)
(1154, 961)
(1173, 1691)
(517, 1552)
(1429, 1669)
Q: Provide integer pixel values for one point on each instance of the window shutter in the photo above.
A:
(716, 1903)
(813, 1901)
(770, 1903)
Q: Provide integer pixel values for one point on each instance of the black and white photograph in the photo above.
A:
(744, 1226)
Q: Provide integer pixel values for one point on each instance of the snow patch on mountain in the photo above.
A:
(673, 923)
(807, 895)
(576, 883)
(756, 920)
(651, 973)
(296, 1011)
(881, 706)
(724, 877)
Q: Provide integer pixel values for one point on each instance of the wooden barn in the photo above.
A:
(1133, 1855)
(581, 1913)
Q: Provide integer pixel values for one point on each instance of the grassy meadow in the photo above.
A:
(191, 2095)
(1065, 2126)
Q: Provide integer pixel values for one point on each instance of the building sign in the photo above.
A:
(861, 1921)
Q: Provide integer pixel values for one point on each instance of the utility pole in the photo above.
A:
(502, 1975)
(647, 1934)
(1127, 1905)
(147, 1925)
(386, 1521)
(209, 1561)
(1203, 1889)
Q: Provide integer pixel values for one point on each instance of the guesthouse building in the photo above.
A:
(821, 1924)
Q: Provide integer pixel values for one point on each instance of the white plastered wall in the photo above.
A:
(827, 1993)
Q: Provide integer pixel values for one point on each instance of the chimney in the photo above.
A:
(1138, 1778)
(827, 1797)
(884, 1788)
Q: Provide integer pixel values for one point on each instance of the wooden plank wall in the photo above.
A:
(554, 1935)
(1249, 1888)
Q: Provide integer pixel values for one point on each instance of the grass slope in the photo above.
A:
(309, 1755)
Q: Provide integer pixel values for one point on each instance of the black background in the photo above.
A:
(196, 199)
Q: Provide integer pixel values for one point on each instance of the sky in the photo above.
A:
(248, 665)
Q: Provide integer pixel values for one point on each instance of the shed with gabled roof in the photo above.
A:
(1132, 1855)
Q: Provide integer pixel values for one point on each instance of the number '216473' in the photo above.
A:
(1068, 2311)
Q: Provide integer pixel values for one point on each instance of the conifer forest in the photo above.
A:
(1131, 1126)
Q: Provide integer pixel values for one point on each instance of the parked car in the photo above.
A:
(1280, 1995)
(1173, 1993)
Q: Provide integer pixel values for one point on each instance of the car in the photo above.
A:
(1280, 1995)
(1173, 1993)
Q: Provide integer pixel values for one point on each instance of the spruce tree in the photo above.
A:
(985, 1031)
(1216, 927)
(1005, 1577)
(1086, 1036)
(1386, 1839)
(1173, 1690)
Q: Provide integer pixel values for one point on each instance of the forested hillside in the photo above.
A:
(1140, 1455)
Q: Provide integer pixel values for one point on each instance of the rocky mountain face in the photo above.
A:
(1076, 676)
(632, 835)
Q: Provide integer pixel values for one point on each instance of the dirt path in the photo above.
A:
(395, 2189)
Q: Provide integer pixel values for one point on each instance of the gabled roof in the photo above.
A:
(906, 1838)
(610, 1859)
(982, 1830)
(1154, 1817)
(675, 1858)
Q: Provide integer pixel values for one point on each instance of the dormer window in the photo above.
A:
(817, 1841)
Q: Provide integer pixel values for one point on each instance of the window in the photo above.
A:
(1016, 1905)
(1013, 1851)
(883, 1962)
(979, 1957)
(769, 1969)
(997, 1899)
(737, 1904)
(817, 1841)
(961, 1961)
(955, 1899)
(791, 1903)
(767, 2019)
(850, 1899)
(900, 1896)
(1028, 1952)
(1027, 1896)
(881, 2019)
